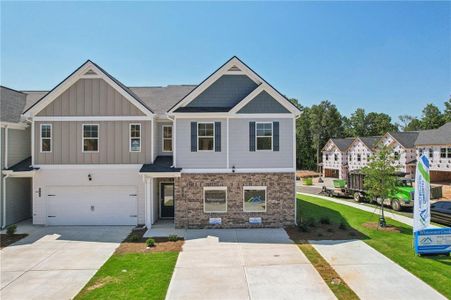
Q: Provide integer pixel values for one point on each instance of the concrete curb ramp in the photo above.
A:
(370, 274)
(244, 264)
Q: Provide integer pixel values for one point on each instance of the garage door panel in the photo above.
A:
(91, 205)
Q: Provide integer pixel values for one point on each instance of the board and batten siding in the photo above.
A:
(90, 97)
(241, 157)
(113, 143)
(200, 159)
(19, 145)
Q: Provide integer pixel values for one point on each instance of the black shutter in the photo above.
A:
(217, 136)
(275, 134)
(193, 136)
(251, 136)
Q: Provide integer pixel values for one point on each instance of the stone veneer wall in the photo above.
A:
(189, 205)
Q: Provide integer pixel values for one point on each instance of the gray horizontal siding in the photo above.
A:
(203, 159)
(159, 138)
(91, 97)
(113, 144)
(263, 103)
(227, 91)
(19, 145)
(241, 157)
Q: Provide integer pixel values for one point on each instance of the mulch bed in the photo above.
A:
(6, 240)
(387, 228)
(162, 244)
(324, 232)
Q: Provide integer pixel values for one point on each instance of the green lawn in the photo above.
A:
(132, 276)
(434, 270)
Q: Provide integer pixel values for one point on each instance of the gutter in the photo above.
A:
(4, 201)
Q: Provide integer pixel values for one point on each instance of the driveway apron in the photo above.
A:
(244, 264)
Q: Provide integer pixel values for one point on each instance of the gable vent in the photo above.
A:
(90, 72)
(234, 68)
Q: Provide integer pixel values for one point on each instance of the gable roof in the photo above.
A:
(12, 103)
(439, 136)
(342, 144)
(237, 67)
(370, 141)
(406, 139)
(88, 70)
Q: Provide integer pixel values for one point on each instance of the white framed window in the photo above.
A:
(166, 136)
(90, 137)
(215, 199)
(327, 156)
(46, 137)
(254, 198)
(135, 137)
(431, 153)
(359, 157)
(205, 136)
(335, 156)
(263, 136)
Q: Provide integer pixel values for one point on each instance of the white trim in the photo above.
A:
(215, 188)
(259, 188)
(130, 137)
(206, 136)
(20, 126)
(161, 174)
(21, 174)
(89, 138)
(256, 137)
(68, 82)
(40, 138)
(4, 201)
(232, 116)
(91, 118)
(244, 170)
(174, 146)
(32, 143)
(163, 138)
(89, 166)
(148, 205)
(6, 148)
(227, 140)
(215, 76)
(160, 200)
(152, 139)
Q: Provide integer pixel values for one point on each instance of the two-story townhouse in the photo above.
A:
(15, 187)
(221, 153)
(335, 158)
(403, 147)
(360, 151)
(436, 144)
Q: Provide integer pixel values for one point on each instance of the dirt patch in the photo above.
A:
(136, 243)
(6, 240)
(387, 228)
(306, 173)
(323, 232)
(101, 282)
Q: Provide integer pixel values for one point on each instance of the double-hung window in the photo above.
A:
(442, 152)
(46, 137)
(167, 138)
(263, 136)
(431, 153)
(135, 137)
(359, 157)
(254, 198)
(335, 156)
(215, 199)
(90, 137)
(449, 153)
(327, 156)
(205, 136)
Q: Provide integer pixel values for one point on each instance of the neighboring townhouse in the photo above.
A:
(360, 151)
(436, 144)
(403, 147)
(221, 153)
(335, 158)
(15, 187)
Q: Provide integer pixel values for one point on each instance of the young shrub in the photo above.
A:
(342, 226)
(325, 220)
(303, 227)
(11, 229)
(311, 222)
(173, 238)
(134, 238)
(150, 242)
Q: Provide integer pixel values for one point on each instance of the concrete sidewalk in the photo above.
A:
(370, 274)
(393, 216)
(244, 264)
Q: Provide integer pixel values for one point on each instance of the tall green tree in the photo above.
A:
(409, 123)
(380, 180)
(379, 124)
(432, 117)
(305, 159)
(447, 113)
(356, 124)
(325, 122)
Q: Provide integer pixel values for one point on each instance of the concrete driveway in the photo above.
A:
(244, 264)
(56, 262)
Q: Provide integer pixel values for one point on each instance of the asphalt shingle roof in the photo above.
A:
(406, 139)
(370, 141)
(161, 164)
(12, 104)
(343, 144)
(439, 136)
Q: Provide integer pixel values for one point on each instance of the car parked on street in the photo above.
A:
(441, 212)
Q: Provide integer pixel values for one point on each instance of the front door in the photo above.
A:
(167, 199)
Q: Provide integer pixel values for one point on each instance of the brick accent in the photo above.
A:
(189, 205)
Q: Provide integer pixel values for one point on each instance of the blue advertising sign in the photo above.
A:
(433, 241)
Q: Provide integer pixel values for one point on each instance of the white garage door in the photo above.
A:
(91, 205)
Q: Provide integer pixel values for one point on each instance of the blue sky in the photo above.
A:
(391, 57)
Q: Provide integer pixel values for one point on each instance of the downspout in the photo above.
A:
(6, 147)
(295, 155)
(4, 201)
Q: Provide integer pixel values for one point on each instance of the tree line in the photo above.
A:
(320, 122)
